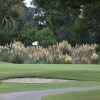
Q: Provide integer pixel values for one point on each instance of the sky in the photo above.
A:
(28, 3)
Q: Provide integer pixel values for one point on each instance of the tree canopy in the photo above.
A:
(10, 11)
(77, 21)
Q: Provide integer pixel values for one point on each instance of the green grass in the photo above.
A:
(4, 62)
(76, 72)
(15, 87)
(87, 76)
(88, 95)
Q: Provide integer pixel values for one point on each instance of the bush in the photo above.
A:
(97, 49)
(17, 58)
(4, 56)
(94, 58)
(99, 58)
(68, 59)
(60, 53)
(45, 37)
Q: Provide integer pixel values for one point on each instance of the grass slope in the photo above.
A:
(76, 72)
(89, 95)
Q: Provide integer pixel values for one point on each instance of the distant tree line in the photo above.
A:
(50, 21)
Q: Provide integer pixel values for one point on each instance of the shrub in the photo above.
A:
(17, 58)
(61, 53)
(65, 47)
(4, 53)
(99, 58)
(97, 49)
(83, 53)
(68, 59)
(45, 37)
(4, 56)
(94, 58)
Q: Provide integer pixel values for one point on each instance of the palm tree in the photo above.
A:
(10, 11)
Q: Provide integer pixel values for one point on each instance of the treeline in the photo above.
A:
(50, 21)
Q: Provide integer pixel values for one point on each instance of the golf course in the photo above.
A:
(83, 76)
(49, 50)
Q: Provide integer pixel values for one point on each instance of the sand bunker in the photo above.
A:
(36, 80)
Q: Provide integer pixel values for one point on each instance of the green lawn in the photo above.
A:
(89, 95)
(15, 87)
(87, 75)
(76, 72)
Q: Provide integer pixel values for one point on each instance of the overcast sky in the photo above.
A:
(28, 3)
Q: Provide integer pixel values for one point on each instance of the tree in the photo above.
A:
(79, 19)
(45, 37)
(88, 27)
(10, 11)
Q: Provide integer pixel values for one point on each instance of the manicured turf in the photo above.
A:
(89, 95)
(87, 75)
(15, 87)
(76, 72)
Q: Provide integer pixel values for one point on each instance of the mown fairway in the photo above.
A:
(75, 72)
(86, 76)
(15, 87)
(89, 95)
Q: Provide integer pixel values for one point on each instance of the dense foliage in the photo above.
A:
(50, 22)
(61, 52)
(72, 20)
(77, 21)
(10, 11)
(45, 37)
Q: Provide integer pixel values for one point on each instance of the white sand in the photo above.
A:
(35, 80)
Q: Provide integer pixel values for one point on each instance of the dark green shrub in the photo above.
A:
(97, 49)
(45, 37)
(65, 51)
(4, 56)
(17, 58)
